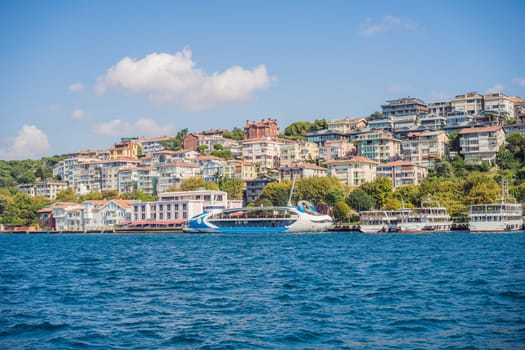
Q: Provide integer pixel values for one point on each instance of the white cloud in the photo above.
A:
(519, 81)
(142, 127)
(494, 89)
(76, 87)
(30, 143)
(167, 77)
(79, 114)
(387, 23)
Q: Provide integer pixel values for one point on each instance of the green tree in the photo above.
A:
(234, 187)
(341, 211)
(202, 149)
(481, 188)
(235, 134)
(453, 142)
(359, 200)
(224, 154)
(380, 189)
(67, 195)
(318, 189)
(218, 147)
(138, 195)
(408, 195)
(277, 192)
(195, 183)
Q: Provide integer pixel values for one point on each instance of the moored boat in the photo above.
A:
(377, 221)
(287, 219)
(424, 219)
(498, 217)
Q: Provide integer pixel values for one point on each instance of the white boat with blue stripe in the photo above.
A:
(287, 219)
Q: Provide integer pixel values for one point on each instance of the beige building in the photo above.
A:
(500, 103)
(470, 103)
(353, 172)
(301, 170)
(301, 151)
(126, 150)
(239, 169)
(481, 144)
(402, 173)
(423, 148)
(347, 125)
(336, 149)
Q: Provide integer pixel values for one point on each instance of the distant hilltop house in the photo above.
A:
(263, 129)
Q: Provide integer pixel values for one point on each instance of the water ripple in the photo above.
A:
(344, 291)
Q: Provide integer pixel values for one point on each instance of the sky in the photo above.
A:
(78, 75)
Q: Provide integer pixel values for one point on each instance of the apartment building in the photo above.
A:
(143, 179)
(347, 125)
(239, 169)
(402, 173)
(300, 151)
(354, 172)
(378, 145)
(404, 112)
(381, 123)
(300, 171)
(46, 188)
(125, 150)
(255, 187)
(336, 149)
(424, 147)
(172, 174)
(499, 103)
(173, 156)
(152, 145)
(481, 144)
(470, 103)
(264, 153)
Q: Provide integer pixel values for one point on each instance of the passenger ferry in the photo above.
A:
(288, 219)
(378, 221)
(424, 219)
(500, 217)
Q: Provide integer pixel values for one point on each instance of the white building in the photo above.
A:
(481, 144)
(180, 206)
(263, 152)
(172, 174)
(402, 173)
(46, 188)
(353, 172)
(68, 217)
(105, 215)
(143, 179)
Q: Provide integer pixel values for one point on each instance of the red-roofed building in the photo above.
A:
(264, 128)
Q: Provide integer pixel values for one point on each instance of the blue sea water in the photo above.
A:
(309, 291)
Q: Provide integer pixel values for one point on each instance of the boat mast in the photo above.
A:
(291, 193)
